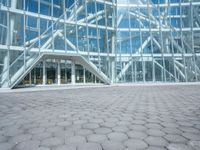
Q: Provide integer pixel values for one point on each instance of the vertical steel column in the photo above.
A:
(182, 45)
(58, 73)
(76, 26)
(44, 72)
(30, 82)
(12, 20)
(84, 75)
(34, 76)
(192, 36)
(73, 72)
(171, 37)
(162, 45)
(52, 28)
(141, 47)
(131, 47)
(65, 18)
(152, 48)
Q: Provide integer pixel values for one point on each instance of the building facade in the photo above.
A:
(98, 41)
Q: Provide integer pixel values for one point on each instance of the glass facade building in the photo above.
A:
(98, 41)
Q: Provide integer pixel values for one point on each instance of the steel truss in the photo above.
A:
(119, 42)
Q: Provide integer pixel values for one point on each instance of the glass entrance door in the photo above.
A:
(51, 71)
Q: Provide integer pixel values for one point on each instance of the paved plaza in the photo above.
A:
(102, 118)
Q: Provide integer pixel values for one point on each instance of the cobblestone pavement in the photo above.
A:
(110, 118)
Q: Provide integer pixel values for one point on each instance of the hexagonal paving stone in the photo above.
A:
(90, 125)
(156, 141)
(140, 122)
(36, 130)
(137, 134)
(5, 146)
(99, 138)
(102, 130)
(2, 139)
(112, 145)
(135, 144)
(96, 120)
(190, 130)
(170, 124)
(195, 144)
(171, 131)
(108, 124)
(191, 136)
(138, 127)
(52, 141)
(75, 140)
(120, 129)
(153, 126)
(123, 123)
(185, 123)
(30, 145)
(174, 146)
(74, 127)
(64, 123)
(13, 131)
(117, 136)
(41, 136)
(175, 138)
(155, 148)
(84, 132)
(111, 120)
(20, 138)
(89, 146)
(42, 148)
(80, 122)
(64, 147)
(55, 129)
(155, 132)
(63, 134)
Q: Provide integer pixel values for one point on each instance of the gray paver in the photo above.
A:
(135, 144)
(83, 132)
(52, 141)
(3, 139)
(112, 145)
(195, 144)
(120, 129)
(156, 141)
(179, 147)
(20, 138)
(75, 140)
(90, 125)
(31, 145)
(5, 146)
(137, 134)
(64, 147)
(42, 148)
(89, 146)
(155, 132)
(175, 138)
(155, 148)
(99, 138)
(41, 136)
(102, 130)
(117, 136)
(112, 118)
(191, 136)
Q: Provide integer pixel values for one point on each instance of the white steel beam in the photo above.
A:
(125, 68)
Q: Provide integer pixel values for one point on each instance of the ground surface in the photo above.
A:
(110, 118)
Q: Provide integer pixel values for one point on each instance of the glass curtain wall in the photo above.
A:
(157, 41)
(121, 40)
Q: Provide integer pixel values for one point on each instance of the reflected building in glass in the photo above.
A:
(98, 41)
